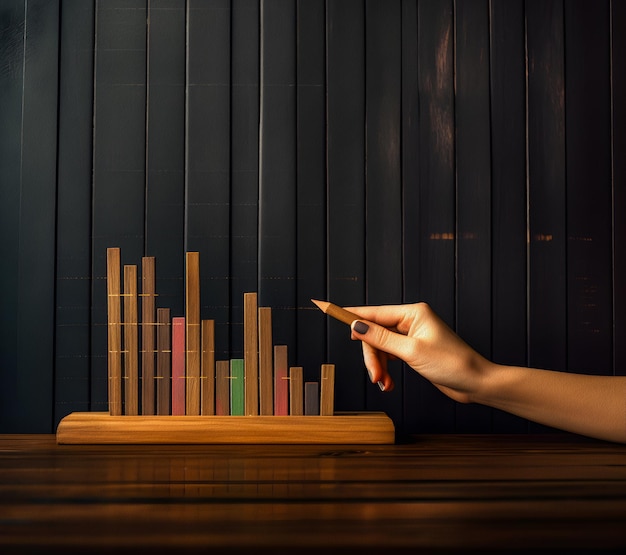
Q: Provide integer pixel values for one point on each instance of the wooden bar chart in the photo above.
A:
(166, 386)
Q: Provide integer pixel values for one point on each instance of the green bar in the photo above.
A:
(236, 387)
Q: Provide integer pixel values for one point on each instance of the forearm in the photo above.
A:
(594, 406)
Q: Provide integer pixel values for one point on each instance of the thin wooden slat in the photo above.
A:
(589, 237)
(344, 428)
(237, 387)
(311, 398)
(473, 193)
(281, 383)
(345, 55)
(266, 365)
(164, 361)
(207, 369)
(222, 388)
(296, 391)
(192, 332)
(383, 194)
(327, 390)
(114, 311)
(148, 334)
(508, 189)
(251, 354)
(178, 366)
(73, 222)
(131, 341)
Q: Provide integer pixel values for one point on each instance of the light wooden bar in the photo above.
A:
(148, 333)
(251, 353)
(327, 390)
(178, 366)
(266, 381)
(207, 369)
(296, 391)
(164, 361)
(114, 331)
(222, 388)
(131, 342)
(347, 428)
(192, 322)
(281, 383)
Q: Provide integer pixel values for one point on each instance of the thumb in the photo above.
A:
(383, 339)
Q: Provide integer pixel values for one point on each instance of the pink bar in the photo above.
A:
(178, 366)
(281, 381)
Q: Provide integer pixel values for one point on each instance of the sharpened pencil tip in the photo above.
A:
(320, 304)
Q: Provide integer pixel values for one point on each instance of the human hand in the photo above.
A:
(415, 334)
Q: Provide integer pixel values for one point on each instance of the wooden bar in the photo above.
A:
(251, 353)
(178, 366)
(207, 369)
(281, 384)
(164, 361)
(192, 321)
(311, 399)
(148, 333)
(350, 428)
(114, 317)
(266, 383)
(237, 387)
(222, 388)
(131, 342)
(327, 390)
(296, 391)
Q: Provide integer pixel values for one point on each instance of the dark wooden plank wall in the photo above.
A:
(464, 153)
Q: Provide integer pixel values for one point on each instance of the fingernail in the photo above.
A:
(361, 327)
(371, 375)
(381, 386)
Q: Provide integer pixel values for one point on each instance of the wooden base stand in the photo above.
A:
(343, 428)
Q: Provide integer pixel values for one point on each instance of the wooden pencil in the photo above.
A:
(336, 312)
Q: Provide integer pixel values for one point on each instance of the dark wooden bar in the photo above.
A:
(431, 493)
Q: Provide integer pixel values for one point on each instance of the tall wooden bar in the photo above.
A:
(148, 333)
(114, 331)
(131, 342)
(207, 369)
(192, 323)
(266, 383)
(251, 353)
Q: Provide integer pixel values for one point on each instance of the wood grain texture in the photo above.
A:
(281, 382)
(148, 334)
(343, 428)
(192, 332)
(266, 364)
(178, 366)
(114, 318)
(327, 390)
(164, 362)
(296, 391)
(251, 353)
(207, 375)
(131, 341)
(222, 388)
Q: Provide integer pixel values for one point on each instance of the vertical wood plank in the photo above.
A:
(281, 383)
(119, 154)
(208, 156)
(165, 147)
(207, 376)
(266, 365)
(508, 190)
(244, 185)
(251, 354)
(164, 362)
(311, 181)
(222, 388)
(383, 194)
(473, 192)
(131, 341)
(73, 223)
(345, 67)
(436, 252)
(178, 366)
(237, 395)
(192, 333)
(327, 390)
(296, 391)
(589, 214)
(618, 90)
(114, 330)
(277, 159)
(148, 334)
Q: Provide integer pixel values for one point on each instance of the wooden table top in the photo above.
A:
(448, 493)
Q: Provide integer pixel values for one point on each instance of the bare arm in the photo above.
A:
(594, 406)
